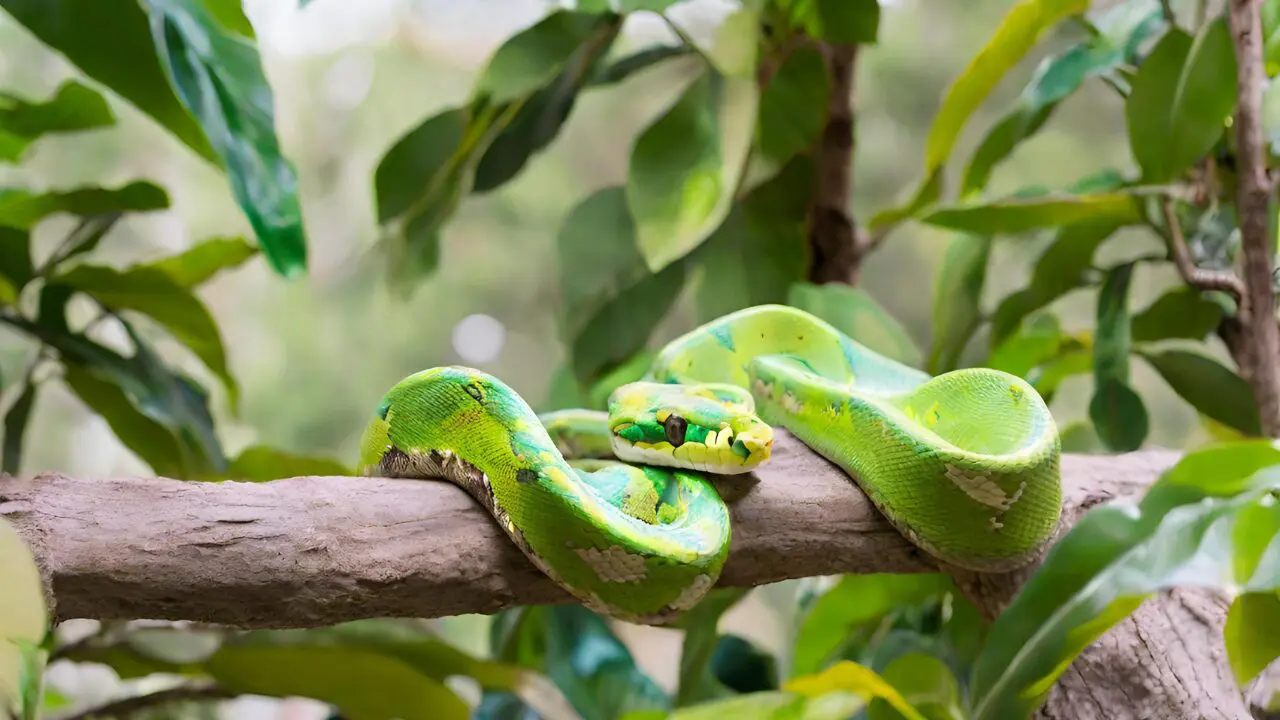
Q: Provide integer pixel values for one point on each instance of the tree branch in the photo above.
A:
(313, 551)
(1260, 356)
(1192, 275)
(835, 241)
(132, 705)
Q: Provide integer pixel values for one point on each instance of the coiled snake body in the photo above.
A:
(615, 506)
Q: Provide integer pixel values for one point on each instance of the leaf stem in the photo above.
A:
(1192, 275)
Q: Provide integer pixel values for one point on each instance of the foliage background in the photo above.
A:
(313, 356)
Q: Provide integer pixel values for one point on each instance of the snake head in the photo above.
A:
(710, 427)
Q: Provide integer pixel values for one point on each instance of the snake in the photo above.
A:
(619, 507)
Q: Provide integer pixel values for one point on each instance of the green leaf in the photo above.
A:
(1080, 437)
(611, 303)
(230, 15)
(1252, 634)
(1037, 341)
(1116, 410)
(957, 299)
(1182, 96)
(530, 59)
(768, 225)
(1212, 389)
(855, 313)
(152, 442)
(674, 186)
(700, 637)
(1183, 312)
(844, 22)
(23, 622)
(793, 106)
(15, 257)
(73, 108)
(15, 427)
(153, 292)
(1023, 214)
(856, 601)
(259, 463)
(22, 209)
(1123, 28)
(200, 263)
(846, 676)
(1061, 268)
(640, 60)
(926, 683)
(539, 119)
(742, 666)
(219, 78)
(110, 41)
(1211, 521)
(769, 706)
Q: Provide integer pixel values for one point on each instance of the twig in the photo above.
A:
(1196, 277)
(835, 240)
(1260, 356)
(137, 703)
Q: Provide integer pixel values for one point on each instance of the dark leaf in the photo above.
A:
(219, 78)
(15, 427)
(854, 312)
(767, 225)
(152, 442)
(793, 105)
(845, 22)
(741, 666)
(695, 684)
(926, 683)
(532, 58)
(1117, 412)
(84, 239)
(674, 185)
(15, 257)
(1212, 389)
(22, 209)
(1018, 215)
(957, 299)
(73, 108)
(110, 41)
(640, 60)
(1183, 312)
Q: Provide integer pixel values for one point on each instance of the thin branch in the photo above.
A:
(1192, 275)
(1260, 357)
(125, 707)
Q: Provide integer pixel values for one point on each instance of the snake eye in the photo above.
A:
(675, 427)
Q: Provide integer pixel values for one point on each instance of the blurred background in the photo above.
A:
(313, 356)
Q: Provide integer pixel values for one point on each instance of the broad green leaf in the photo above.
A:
(1017, 215)
(1075, 361)
(22, 209)
(73, 108)
(15, 427)
(1116, 410)
(700, 637)
(23, 621)
(540, 117)
(1211, 521)
(533, 57)
(674, 185)
(1211, 388)
(151, 441)
(611, 303)
(926, 683)
(1183, 312)
(853, 603)
(957, 299)
(767, 226)
(843, 22)
(1038, 340)
(769, 706)
(230, 14)
(1017, 34)
(793, 106)
(153, 292)
(15, 257)
(111, 42)
(1182, 96)
(1122, 29)
(855, 313)
(742, 666)
(1061, 268)
(411, 167)
(846, 676)
(1252, 634)
(259, 463)
(219, 78)
(735, 47)
(198, 264)
(1080, 437)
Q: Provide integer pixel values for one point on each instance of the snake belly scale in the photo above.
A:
(616, 506)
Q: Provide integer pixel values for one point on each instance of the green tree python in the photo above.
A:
(616, 506)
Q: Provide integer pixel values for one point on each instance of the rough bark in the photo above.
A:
(312, 551)
(834, 246)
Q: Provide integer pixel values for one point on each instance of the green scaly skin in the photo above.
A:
(965, 464)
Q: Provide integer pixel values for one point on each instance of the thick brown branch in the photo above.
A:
(835, 247)
(1260, 356)
(1192, 275)
(312, 551)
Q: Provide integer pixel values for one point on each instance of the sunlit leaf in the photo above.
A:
(200, 263)
(1211, 388)
(1017, 215)
(22, 209)
(1252, 634)
(926, 683)
(1116, 410)
(1211, 521)
(72, 108)
(854, 312)
(23, 620)
(851, 677)
(674, 185)
(218, 76)
(957, 299)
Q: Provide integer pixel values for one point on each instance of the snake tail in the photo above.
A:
(965, 464)
(641, 544)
